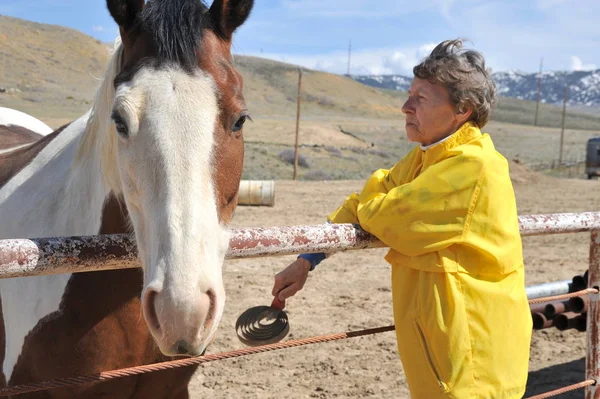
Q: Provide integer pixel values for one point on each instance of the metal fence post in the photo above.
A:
(592, 367)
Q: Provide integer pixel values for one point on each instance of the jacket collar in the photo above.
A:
(466, 133)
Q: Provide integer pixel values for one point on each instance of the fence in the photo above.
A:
(570, 168)
(42, 256)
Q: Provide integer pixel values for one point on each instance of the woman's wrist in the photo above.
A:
(313, 259)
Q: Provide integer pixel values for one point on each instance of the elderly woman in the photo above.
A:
(447, 211)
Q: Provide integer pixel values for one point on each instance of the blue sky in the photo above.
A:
(388, 36)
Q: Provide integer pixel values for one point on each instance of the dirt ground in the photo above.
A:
(351, 291)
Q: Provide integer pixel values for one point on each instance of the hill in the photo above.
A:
(348, 129)
(517, 95)
(48, 64)
(270, 88)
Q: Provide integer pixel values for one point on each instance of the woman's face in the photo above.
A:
(430, 115)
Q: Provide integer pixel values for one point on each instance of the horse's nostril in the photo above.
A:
(212, 304)
(150, 305)
(181, 347)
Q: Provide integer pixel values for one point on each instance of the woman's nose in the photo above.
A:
(407, 107)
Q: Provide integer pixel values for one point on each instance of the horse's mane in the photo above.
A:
(100, 133)
(177, 27)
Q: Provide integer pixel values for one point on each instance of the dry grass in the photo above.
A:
(383, 143)
(347, 129)
(55, 68)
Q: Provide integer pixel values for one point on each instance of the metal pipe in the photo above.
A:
(548, 289)
(579, 283)
(592, 363)
(554, 308)
(40, 256)
(540, 321)
(565, 321)
(579, 304)
(559, 223)
(569, 320)
(27, 257)
(537, 307)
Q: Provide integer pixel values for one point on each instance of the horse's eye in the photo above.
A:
(120, 125)
(240, 123)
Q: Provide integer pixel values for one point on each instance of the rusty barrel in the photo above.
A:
(257, 192)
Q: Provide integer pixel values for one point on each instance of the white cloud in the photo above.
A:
(98, 28)
(524, 32)
(511, 34)
(578, 65)
(383, 61)
(425, 50)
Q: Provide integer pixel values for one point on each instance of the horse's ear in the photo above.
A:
(124, 12)
(228, 15)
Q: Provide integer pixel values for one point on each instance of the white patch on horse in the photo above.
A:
(171, 117)
(49, 197)
(10, 116)
(25, 301)
(57, 194)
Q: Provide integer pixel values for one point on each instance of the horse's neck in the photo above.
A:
(53, 196)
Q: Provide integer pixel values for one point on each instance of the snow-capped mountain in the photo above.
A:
(584, 86)
(393, 82)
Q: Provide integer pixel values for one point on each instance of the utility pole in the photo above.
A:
(539, 90)
(562, 130)
(297, 123)
(349, 55)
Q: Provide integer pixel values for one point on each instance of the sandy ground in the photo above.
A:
(351, 291)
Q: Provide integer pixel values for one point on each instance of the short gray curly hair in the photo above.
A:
(465, 76)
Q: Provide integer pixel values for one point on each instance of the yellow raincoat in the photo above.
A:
(448, 213)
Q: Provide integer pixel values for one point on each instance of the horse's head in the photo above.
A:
(178, 113)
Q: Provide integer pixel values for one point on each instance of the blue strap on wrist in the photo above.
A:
(313, 259)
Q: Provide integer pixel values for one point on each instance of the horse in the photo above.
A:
(19, 129)
(159, 154)
(12, 117)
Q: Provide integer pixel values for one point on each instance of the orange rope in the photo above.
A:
(560, 391)
(109, 375)
(131, 371)
(564, 296)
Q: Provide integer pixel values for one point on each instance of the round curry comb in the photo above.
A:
(262, 325)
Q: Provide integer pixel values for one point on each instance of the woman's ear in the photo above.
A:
(463, 114)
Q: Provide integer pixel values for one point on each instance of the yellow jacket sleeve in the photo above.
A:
(427, 214)
(380, 181)
(347, 212)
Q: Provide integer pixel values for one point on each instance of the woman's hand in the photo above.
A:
(290, 280)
